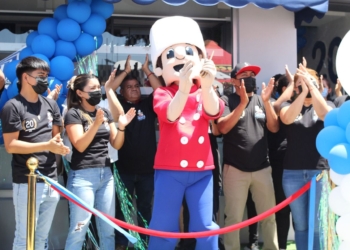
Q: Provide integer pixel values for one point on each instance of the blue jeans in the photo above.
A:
(293, 180)
(46, 202)
(143, 186)
(96, 187)
(170, 188)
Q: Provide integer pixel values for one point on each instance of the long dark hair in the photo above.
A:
(73, 100)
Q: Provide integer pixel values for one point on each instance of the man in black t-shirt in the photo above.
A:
(136, 157)
(31, 128)
(244, 127)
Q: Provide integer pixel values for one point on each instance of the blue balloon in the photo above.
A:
(64, 48)
(102, 8)
(95, 25)
(86, 1)
(329, 137)
(3, 99)
(42, 57)
(25, 53)
(53, 81)
(31, 37)
(48, 26)
(60, 12)
(79, 11)
(85, 44)
(64, 90)
(12, 89)
(68, 30)
(60, 100)
(339, 158)
(343, 116)
(99, 41)
(44, 44)
(117, 1)
(10, 70)
(347, 133)
(331, 118)
(62, 68)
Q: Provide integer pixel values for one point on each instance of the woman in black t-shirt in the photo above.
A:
(89, 129)
(304, 120)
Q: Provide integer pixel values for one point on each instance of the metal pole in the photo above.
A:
(32, 164)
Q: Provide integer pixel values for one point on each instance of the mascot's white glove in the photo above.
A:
(210, 98)
(189, 72)
(208, 73)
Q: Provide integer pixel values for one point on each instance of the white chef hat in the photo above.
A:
(173, 30)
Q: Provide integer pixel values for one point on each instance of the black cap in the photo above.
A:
(241, 67)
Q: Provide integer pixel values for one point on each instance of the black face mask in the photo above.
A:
(41, 85)
(95, 97)
(249, 83)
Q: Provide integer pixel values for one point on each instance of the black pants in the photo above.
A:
(282, 216)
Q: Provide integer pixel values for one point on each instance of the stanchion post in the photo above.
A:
(32, 164)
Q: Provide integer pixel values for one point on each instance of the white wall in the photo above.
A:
(267, 38)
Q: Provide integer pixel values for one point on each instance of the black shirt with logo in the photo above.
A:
(245, 145)
(139, 149)
(34, 123)
(96, 154)
(340, 100)
(301, 136)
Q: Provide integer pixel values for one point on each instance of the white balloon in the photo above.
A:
(336, 178)
(345, 187)
(337, 203)
(342, 227)
(343, 61)
(345, 245)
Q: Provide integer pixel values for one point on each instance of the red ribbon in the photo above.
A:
(224, 230)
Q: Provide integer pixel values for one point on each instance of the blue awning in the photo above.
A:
(305, 10)
(292, 5)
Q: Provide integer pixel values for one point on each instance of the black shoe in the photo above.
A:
(121, 247)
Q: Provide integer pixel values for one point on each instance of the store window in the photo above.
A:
(130, 36)
(318, 42)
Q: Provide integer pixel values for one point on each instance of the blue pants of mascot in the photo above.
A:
(170, 188)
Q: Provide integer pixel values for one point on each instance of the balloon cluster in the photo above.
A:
(74, 31)
(333, 143)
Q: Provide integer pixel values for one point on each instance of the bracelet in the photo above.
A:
(150, 74)
(126, 72)
(121, 130)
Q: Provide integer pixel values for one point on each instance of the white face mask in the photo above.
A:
(325, 92)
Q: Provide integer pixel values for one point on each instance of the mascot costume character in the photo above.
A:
(184, 162)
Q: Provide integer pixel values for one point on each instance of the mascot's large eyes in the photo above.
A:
(170, 54)
(189, 51)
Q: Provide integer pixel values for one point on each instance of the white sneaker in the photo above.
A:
(253, 247)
